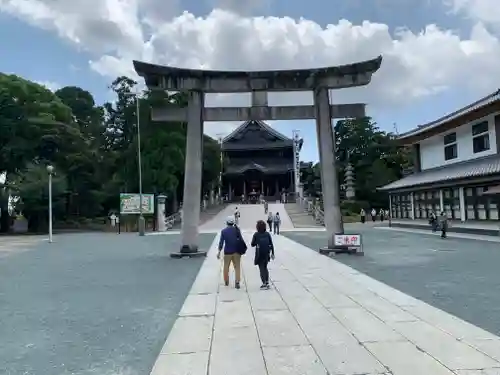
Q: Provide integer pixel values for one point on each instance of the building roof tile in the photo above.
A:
(481, 167)
(493, 97)
(269, 166)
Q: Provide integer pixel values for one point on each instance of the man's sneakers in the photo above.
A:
(237, 285)
(265, 286)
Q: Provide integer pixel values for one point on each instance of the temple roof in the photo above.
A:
(440, 125)
(255, 134)
(481, 167)
(264, 166)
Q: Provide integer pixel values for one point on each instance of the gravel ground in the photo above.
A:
(90, 303)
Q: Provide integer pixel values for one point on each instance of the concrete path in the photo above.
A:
(321, 317)
(250, 213)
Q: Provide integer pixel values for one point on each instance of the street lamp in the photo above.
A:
(50, 171)
(220, 138)
(142, 222)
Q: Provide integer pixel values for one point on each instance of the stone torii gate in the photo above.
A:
(199, 82)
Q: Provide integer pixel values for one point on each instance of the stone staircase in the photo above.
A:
(301, 218)
(205, 215)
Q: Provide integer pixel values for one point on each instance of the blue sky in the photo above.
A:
(426, 72)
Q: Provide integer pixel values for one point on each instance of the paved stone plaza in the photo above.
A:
(458, 275)
(321, 317)
(107, 303)
(89, 303)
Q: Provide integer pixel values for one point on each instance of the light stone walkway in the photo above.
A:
(250, 213)
(321, 317)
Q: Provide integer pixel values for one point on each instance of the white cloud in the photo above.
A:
(242, 7)
(415, 64)
(485, 11)
(52, 86)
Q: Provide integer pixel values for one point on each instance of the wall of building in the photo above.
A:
(432, 149)
(458, 203)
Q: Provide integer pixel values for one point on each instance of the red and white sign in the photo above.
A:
(347, 239)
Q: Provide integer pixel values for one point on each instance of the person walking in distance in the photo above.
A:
(232, 241)
(266, 207)
(277, 223)
(270, 221)
(374, 214)
(236, 216)
(264, 252)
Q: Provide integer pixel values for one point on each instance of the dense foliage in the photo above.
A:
(93, 149)
(376, 157)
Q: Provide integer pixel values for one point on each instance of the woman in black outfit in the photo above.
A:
(264, 251)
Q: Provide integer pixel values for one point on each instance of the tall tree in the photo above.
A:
(33, 129)
(90, 164)
(376, 157)
(93, 149)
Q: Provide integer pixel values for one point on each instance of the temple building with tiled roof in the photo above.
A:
(456, 166)
(258, 160)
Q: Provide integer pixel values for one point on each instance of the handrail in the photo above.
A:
(172, 219)
(313, 209)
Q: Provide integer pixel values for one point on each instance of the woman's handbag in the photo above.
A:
(242, 246)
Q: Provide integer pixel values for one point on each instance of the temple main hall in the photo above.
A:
(258, 160)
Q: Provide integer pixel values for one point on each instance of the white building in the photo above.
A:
(456, 166)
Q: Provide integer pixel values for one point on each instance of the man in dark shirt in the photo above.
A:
(230, 238)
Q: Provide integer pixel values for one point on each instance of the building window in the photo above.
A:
(480, 137)
(450, 146)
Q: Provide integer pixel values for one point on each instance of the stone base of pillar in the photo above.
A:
(341, 250)
(187, 251)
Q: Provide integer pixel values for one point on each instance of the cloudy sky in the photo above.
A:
(438, 54)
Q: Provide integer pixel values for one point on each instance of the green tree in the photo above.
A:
(30, 115)
(31, 186)
(93, 148)
(88, 163)
(376, 157)
(32, 129)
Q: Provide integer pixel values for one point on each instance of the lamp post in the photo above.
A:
(142, 222)
(220, 138)
(50, 171)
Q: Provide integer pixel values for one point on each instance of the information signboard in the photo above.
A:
(344, 244)
(129, 204)
(347, 240)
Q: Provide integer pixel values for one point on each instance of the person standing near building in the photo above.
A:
(433, 221)
(232, 242)
(362, 215)
(264, 252)
(381, 213)
(443, 223)
(277, 223)
(266, 207)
